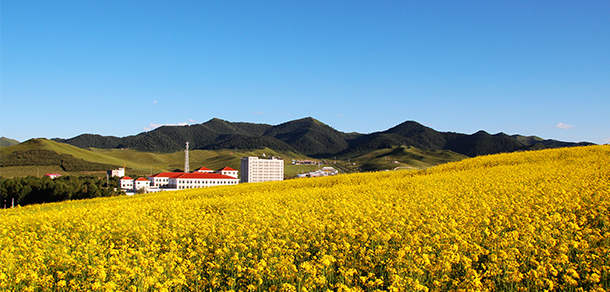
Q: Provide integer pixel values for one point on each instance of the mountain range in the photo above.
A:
(313, 138)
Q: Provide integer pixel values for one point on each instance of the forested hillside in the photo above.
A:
(313, 138)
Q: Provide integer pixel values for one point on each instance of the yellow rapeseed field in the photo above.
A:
(529, 221)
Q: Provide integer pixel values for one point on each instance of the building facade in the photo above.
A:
(120, 172)
(126, 183)
(141, 183)
(254, 169)
(200, 178)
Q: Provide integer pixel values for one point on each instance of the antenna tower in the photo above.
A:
(186, 158)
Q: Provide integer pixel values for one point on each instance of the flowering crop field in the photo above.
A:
(529, 221)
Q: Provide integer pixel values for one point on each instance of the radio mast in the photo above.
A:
(186, 158)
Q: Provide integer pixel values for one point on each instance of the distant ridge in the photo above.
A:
(5, 142)
(313, 138)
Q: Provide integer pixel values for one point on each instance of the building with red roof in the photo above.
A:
(228, 171)
(126, 183)
(203, 169)
(200, 178)
(142, 183)
(53, 175)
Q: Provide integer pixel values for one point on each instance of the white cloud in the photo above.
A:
(154, 101)
(152, 126)
(339, 115)
(564, 126)
(192, 121)
(607, 140)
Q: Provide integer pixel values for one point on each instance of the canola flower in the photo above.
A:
(529, 221)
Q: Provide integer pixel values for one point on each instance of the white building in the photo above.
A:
(160, 180)
(200, 180)
(204, 170)
(116, 172)
(228, 171)
(254, 169)
(142, 183)
(126, 183)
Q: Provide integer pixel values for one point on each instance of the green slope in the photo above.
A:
(137, 162)
(146, 163)
(405, 157)
(5, 142)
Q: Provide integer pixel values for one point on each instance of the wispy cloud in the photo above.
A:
(339, 115)
(564, 126)
(152, 126)
(192, 121)
(154, 101)
(258, 113)
(607, 140)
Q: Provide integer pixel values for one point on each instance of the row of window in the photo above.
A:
(204, 182)
(194, 187)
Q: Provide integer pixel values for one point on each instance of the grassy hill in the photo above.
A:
(5, 142)
(525, 221)
(405, 157)
(140, 163)
(137, 162)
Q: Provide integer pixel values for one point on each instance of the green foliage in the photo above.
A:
(248, 142)
(35, 190)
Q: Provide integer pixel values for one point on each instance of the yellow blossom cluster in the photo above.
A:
(528, 221)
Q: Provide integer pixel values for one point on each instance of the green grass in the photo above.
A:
(291, 171)
(408, 157)
(39, 171)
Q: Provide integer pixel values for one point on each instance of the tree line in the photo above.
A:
(35, 190)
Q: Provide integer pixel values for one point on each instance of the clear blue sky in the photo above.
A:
(121, 67)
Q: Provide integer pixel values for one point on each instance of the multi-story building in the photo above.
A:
(254, 169)
(200, 180)
(142, 183)
(126, 183)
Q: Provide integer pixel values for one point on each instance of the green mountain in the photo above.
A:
(313, 138)
(5, 142)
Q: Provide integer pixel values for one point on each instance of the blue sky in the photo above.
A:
(122, 67)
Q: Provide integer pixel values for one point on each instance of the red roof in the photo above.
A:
(200, 175)
(228, 169)
(202, 168)
(126, 178)
(205, 175)
(141, 179)
(167, 174)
